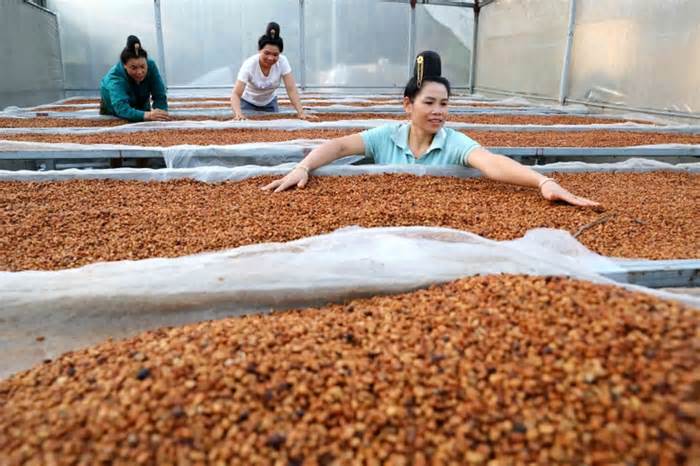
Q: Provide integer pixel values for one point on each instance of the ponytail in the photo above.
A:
(271, 37)
(132, 50)
(428, 68)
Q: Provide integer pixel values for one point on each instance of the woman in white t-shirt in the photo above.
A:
(260, 76)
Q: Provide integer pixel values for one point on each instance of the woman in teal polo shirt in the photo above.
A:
(425, 141)
(127, 89)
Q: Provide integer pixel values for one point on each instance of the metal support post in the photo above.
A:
(564, 82)
(475, 44)
(302, 47)
(159, 40)
(411, 37)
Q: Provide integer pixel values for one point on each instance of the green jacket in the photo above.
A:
(123, 97)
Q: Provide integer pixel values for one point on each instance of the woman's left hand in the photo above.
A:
(553, 192)
(304, 116)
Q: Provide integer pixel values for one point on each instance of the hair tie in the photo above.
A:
(272, 33)
(419, 71)
(137, 46)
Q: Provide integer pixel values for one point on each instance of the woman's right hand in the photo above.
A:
(298, 177)
(156, 115)
(239, 117)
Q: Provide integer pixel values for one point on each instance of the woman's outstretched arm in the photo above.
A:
(320, 156)
(501, 168)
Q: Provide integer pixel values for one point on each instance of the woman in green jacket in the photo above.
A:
(127, 89)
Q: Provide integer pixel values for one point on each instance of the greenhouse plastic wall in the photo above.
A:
(521, 46)
(93, 35)
(348, 43)
(448, 31)
(27, 32)
(637, 53)
(356, 43)
(206, 41)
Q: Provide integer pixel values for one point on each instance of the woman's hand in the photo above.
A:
(298, 177)
(551, 191)
(317, 158)
(156, 115)
(304, 116)
(236, 95)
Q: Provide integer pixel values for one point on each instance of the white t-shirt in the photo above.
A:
(260, 89)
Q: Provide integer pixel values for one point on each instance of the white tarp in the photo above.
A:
(215, 174)
(77, 307)
(267, 158)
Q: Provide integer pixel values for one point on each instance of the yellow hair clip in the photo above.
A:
(272, 33)
(419, 71)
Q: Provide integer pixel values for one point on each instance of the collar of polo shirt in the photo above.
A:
(400, 138)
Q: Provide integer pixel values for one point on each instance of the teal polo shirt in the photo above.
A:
(388, 145)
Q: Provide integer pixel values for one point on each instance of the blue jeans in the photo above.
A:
(271, 107)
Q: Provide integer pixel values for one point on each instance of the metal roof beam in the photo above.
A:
(436, 2)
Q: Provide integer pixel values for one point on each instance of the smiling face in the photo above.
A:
(136, 68)
(269, 55)
(428, 111)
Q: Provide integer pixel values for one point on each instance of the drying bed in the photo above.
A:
(397, 98)
(397, 102)
(313, 101)
(64, 108)
(495, 370)
(213, 104)
(43, 122)
(57, 225)
(173, 137)
(470, 118)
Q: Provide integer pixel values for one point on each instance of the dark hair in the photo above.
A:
(133, 49)
(412, 89)
(271, 37)
(428, 68)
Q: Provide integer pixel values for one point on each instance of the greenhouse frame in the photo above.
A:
(340, 232)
